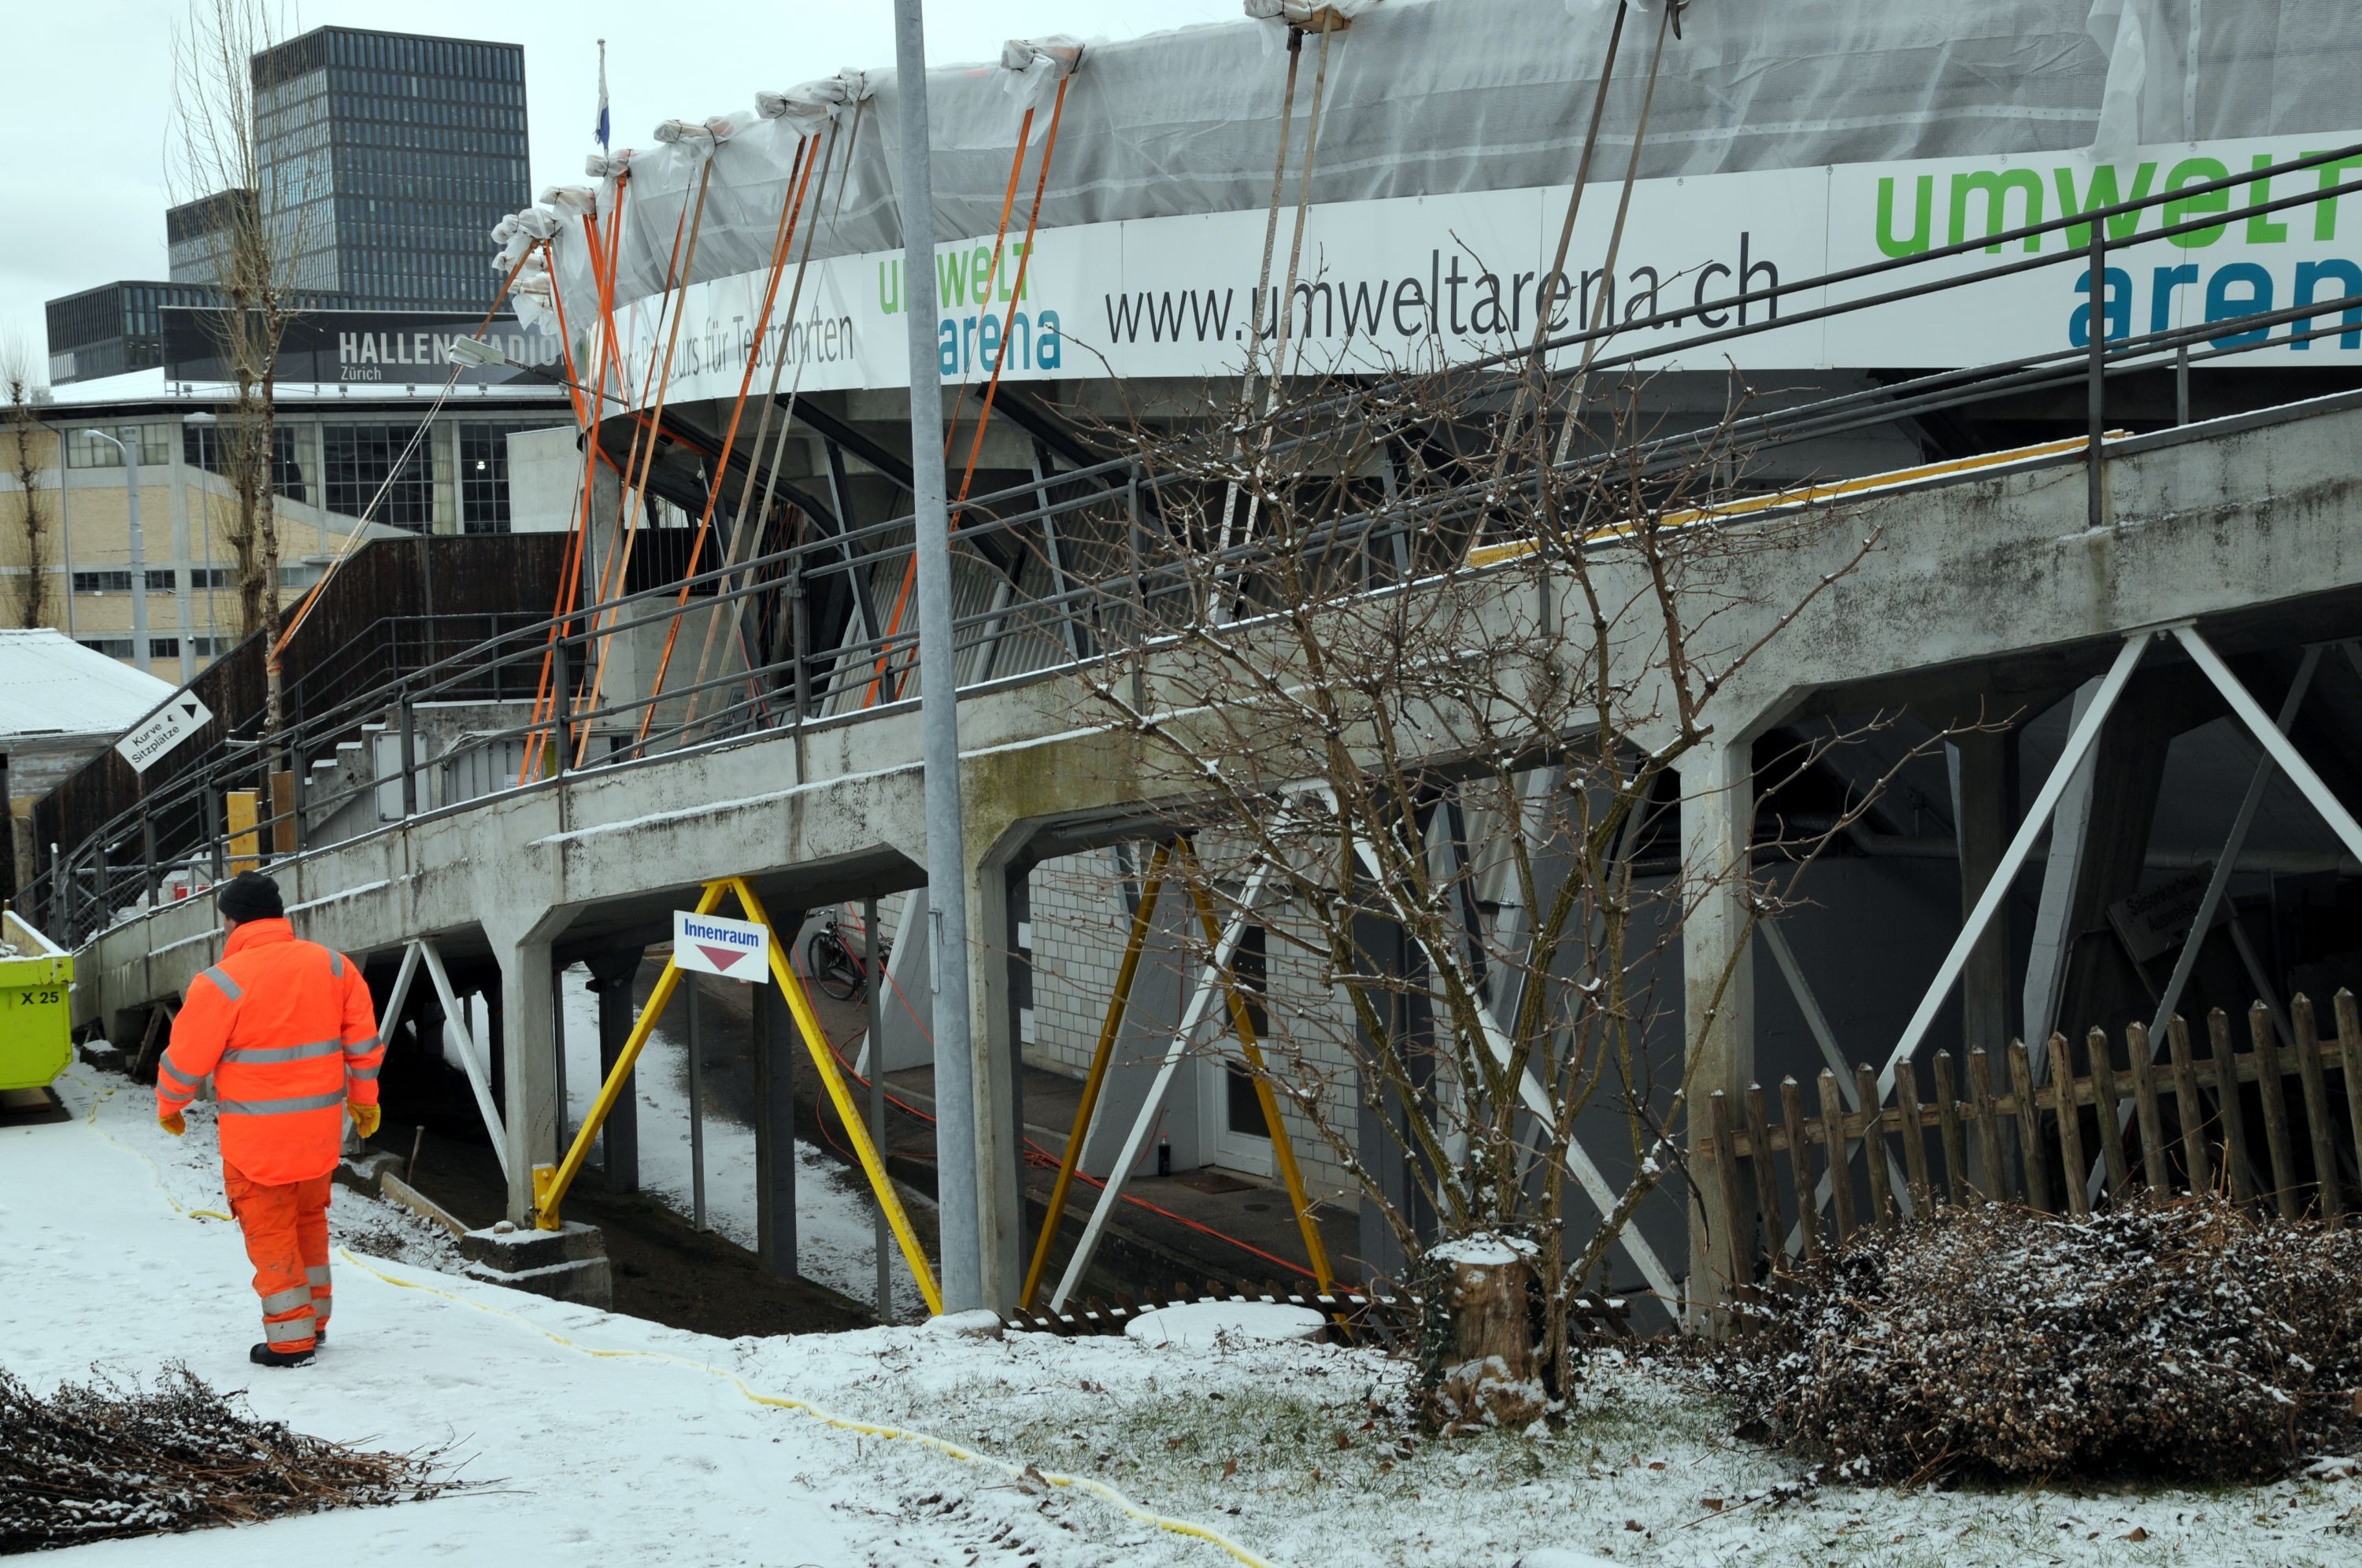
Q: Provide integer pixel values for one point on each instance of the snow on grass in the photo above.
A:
(834, 1212)
(647, 1451)
(1307, 1452)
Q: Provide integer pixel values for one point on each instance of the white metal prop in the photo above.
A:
(2292, 761)
(2079, 743)
(421, 948)
(1579, 1162)
(1208, 982)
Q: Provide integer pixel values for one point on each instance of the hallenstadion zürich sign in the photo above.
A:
(371, 347)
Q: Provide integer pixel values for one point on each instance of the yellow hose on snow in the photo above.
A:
(1091, 1485)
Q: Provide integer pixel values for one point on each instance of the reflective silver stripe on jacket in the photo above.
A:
(164, 1066)
(293, 1329)
(362, 1046)
(287, 1300)
(335, 964)
(258, 1054)
(362, 1075)
(281, 1107)
(222, 982)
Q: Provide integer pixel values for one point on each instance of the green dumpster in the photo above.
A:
(35, 1040)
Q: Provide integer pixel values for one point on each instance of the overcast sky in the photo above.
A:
(82, 192)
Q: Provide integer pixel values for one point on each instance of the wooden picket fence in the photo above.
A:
(2141, 1123)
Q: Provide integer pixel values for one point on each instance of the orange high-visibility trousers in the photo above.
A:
(286, 1231)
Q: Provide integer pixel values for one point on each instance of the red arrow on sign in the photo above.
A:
(722, 957)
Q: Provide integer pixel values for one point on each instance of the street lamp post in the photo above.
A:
(186, 553)
(130, 451)
(956, 1090)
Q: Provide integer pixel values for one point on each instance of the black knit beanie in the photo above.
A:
(250, 895)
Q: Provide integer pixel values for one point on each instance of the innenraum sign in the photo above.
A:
(1386, 282)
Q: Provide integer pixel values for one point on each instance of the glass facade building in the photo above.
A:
(387, 160)
(113, 328)
(197, 234)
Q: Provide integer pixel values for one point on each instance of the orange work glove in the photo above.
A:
(175, 1123)
(365, 1117)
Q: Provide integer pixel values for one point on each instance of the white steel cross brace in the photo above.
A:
(1210, 982)
(1579, 1162)
(2218, 883)
(1898, 1184)
(1997, 886)
(421, 948)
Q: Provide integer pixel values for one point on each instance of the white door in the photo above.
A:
(1241, 1141)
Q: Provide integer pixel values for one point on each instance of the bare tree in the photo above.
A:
(226, 85)
(1427, 730)
(25, 396)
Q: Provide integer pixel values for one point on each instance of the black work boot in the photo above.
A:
(263, 1355)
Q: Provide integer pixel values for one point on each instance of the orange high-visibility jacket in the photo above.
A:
(287, 1030)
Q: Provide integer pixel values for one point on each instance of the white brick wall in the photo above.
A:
(1080, 925)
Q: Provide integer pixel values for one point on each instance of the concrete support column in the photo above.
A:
(1718, 989)
(773, 1029)
(611, 978)
(529, 1062)
(2099, 847)
(993, 1056)
(1984, 813)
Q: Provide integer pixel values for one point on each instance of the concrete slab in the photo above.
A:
(568, 1264)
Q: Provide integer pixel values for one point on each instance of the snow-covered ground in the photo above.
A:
(835, 1214)
(599, 1434)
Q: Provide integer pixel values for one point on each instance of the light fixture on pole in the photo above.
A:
(130, 451)
(474, 353)
(482, 354)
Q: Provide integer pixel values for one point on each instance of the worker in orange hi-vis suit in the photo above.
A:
(286, 1030)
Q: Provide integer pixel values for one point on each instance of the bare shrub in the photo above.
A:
(98, 1461)
(2184, 1339)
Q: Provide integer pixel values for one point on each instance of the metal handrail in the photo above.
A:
(819, 676)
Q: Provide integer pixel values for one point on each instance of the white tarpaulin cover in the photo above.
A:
(1784, 142)
(1434, 96)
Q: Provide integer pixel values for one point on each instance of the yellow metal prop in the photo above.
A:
(550, 1184)
(1282, 1150)
(1118, 1001)
(855, 1129)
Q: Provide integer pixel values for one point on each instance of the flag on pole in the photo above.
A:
(602, 95)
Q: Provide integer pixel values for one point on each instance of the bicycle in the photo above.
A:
(833, 965)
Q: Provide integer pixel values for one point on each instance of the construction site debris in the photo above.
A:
(100, 1460)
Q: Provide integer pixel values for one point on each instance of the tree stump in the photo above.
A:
(1483, 1369)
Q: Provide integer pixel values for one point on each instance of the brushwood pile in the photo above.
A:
(2186, 1340)
(101, 1460)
